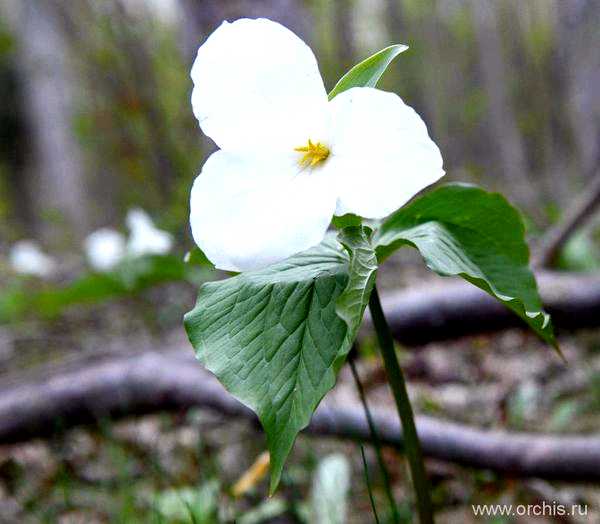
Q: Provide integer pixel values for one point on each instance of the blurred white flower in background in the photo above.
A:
(329, 494)
(145, 238)
(289, 159)
(26, 257)
(104, 249)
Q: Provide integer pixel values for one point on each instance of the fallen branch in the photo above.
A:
(584, 208)
(150, 382)
(449, 310)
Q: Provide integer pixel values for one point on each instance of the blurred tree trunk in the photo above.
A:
(434, 79)
(201, 17)
(579, 42)
(508, 148)
(13, 151)
(394, 20)
(57, 181)
(344, 35)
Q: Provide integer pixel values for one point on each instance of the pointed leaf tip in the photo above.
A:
(368, 72)
(276, 338)
(462, 230)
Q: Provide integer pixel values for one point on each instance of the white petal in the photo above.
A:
(247, 213)
(150, 242)
(381, 153)
(26, 257)
(104, 249)
(257, 87)
(145, 238)
(137, 218)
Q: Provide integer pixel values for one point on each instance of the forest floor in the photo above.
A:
(180, 467)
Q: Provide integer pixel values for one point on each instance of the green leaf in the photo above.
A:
(463, 230)
(368, 72)
(347, 220)
(196, 257)
(580, 253)
(362, 268)
(276, 338)
(197, 504)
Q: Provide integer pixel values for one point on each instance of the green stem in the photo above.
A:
(376, 444)
(409, 430)
(368, 480)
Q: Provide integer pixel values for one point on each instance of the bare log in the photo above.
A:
(151, 382)
(582, 210)
(449, 310)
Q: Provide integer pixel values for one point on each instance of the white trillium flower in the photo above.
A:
(26, 257)
(290, 159)
(145, 238)
(104, 249)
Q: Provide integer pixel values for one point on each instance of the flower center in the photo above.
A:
(313, 153)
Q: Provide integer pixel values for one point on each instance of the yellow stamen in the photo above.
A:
(313, 153)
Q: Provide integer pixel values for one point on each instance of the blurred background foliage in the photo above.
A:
(95, 119)
(505, 87)
(95, 115)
